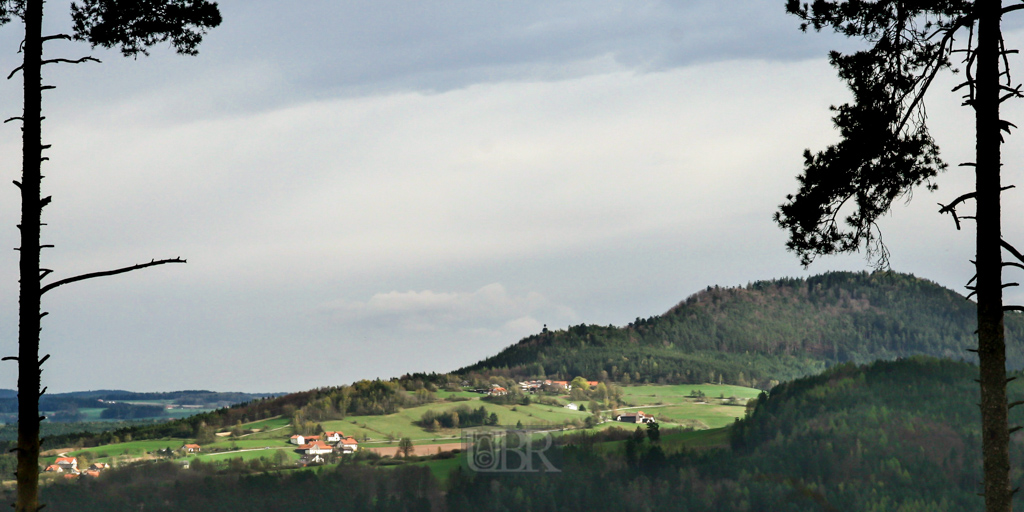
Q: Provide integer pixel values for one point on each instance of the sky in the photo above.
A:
(368, 188)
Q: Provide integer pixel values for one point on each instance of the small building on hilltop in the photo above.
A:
(191, 448)
(333, 437)
(297, 439)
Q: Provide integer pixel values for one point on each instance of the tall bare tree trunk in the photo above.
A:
(29, 296)
(991, 342)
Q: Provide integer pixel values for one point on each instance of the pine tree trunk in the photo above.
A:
(991, 342)
(29, 297)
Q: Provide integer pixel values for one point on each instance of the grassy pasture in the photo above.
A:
(676, 441)
(441, 468)
(675, 394)
(267, 424)
(131, 448)
(247, 456)
(243, 443)
(460, 394)
(712, 415)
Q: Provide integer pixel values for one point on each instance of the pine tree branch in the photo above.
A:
(105, 273)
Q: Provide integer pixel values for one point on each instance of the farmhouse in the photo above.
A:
(53, 468)
(316, 448)
(498, 391)
(639, 417)
(67, 463)
(191, 448)
(297, 439)
(348, 445)
(333, 437)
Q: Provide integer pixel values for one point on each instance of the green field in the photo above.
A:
(267, 424)
(248, 455)
(131, 448)
(460, 394)
(402, 424)
(676, 394)
(442, 468)
(673, 442)
(670, 404)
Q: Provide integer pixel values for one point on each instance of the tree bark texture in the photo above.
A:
(29, 296)
(991, 337)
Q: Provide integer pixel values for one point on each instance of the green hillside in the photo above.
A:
(769, 330)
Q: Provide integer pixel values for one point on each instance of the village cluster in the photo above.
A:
(313, 447)
(69, 467)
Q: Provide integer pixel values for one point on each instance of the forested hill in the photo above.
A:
(768, 330)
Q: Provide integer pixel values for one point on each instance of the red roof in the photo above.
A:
(349, 440)
(316, 444)
(332, 434)
(192, 447)
(65, 460)
(53, 467)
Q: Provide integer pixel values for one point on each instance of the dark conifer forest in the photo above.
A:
(767, 331)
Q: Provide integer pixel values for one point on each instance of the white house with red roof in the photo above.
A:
(192, 448)
(334, 437)
(297, 439)
(348, 445)
(316, 448)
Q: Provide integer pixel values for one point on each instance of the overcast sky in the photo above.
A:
(368, 188)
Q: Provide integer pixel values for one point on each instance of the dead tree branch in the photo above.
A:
(105, 273)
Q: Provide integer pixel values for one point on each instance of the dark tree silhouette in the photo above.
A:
(133, 26)
(886, 151)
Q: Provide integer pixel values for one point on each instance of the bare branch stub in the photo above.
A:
(105, 273)
(70, 61)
